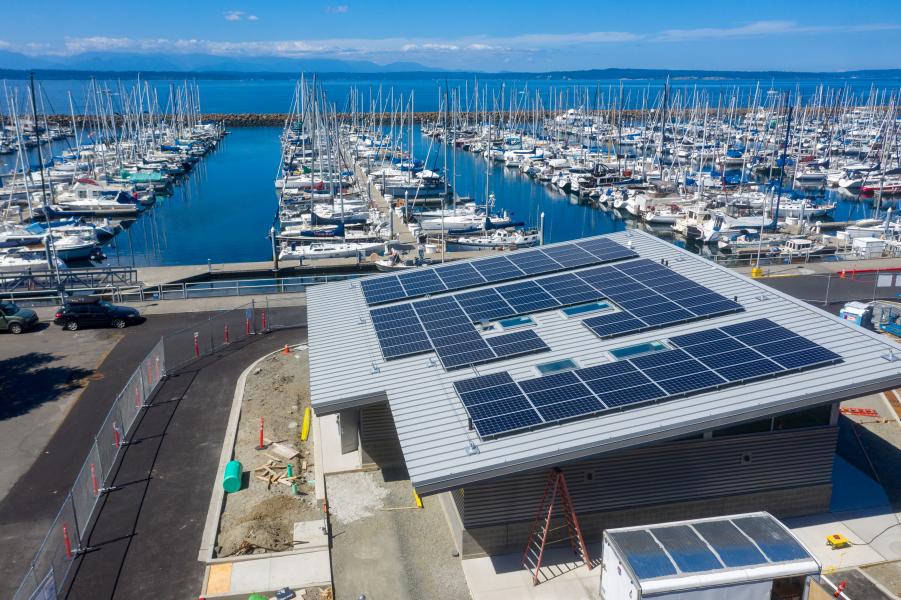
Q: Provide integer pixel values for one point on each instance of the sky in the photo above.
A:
(484, 35)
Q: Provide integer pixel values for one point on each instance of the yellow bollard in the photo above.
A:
(417, 499)
(305, 429)
(756, 272)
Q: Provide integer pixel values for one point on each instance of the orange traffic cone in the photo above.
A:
(287, 350)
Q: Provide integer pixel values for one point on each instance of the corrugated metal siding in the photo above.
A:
(664, 473)
(378, 438)
(345, 362)
(457, 496)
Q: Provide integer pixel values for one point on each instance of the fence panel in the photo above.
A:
(181, 348)
(60, 546)
(109, 439)
(154, 368)
(131, 399)
(284, 312)
(30, 586)
(87, 489)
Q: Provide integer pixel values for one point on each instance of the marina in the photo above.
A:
(605, 335)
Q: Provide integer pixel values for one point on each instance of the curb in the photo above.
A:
(208, 540)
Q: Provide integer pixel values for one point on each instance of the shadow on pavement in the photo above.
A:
(30, 380)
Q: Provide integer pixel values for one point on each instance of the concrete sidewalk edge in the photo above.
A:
(207, 542)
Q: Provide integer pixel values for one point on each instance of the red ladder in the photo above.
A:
(541, 529)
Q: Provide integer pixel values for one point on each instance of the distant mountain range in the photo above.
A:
(194, 63)
(14, 65)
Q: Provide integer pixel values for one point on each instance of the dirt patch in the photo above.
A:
(260, 517)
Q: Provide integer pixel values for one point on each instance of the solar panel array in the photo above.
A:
(696, 362)
(651, 296)
(422, 282)
(739, 542)
(441, 325)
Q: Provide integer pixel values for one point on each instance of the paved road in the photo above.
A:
(148, 531)
(31, 504)
(831, 293)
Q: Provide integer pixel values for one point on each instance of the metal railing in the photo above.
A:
(184, 290)
(37, 280)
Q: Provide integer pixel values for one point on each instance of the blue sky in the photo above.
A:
(477, 35)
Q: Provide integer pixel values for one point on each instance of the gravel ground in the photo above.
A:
(353, 496)
(260, 518)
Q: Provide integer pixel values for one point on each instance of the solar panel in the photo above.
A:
(381, 290)
(443, 278)
(534, 262)
(570, 255)
(650, 296)
(441, 325)
(527, 296)
(697, 362)
(496, 404)
(484, 305)
(569, 289)
(458, 276)
(517, 343)
(497, 269)
(421, 282)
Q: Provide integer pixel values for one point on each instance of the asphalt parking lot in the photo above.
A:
(56, 388)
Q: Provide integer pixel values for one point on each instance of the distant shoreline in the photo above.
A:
(581, 75)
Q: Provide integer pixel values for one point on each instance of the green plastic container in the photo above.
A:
(231, 483)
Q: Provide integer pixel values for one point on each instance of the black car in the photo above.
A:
(93, 312)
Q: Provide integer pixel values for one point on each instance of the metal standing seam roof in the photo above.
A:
(441, 452)
(717, 551)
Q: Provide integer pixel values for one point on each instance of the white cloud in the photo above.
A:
(338, 9)
(765, 28)
(457, 51)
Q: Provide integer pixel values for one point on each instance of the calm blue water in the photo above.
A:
(274, 96)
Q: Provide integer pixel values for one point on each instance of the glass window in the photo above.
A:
(567, 364)
(818, 416)
(581, 309)
(515, 322)
(639, 349)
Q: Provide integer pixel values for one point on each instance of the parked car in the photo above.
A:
(93, 312)
(16, 320)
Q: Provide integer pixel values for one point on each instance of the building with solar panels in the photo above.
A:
(664, 386)
(738, 557)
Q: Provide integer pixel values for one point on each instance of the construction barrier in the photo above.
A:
(67, 536)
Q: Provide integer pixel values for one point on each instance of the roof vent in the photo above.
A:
(375, 369)
(891, 356)
(472, 449)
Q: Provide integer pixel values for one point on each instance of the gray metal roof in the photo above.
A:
(347, 370)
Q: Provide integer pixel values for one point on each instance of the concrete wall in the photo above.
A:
(787, 473)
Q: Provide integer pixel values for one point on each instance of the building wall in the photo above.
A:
(378, 437)
(787, 473)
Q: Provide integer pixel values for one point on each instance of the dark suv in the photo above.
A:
(16, 320)
(81, 312)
